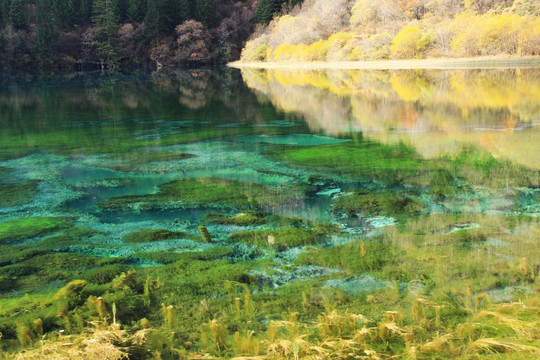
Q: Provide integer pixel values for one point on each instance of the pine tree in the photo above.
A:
(17, 14)
(185, 10)
(4, 12)
(105, 19)
(85, 11)
(136, 11)
(60, 10)
(174, 12)
(120, 9)
(152, 20)
(266, 9)
(46, 34)
(72, 13)
(205, 12)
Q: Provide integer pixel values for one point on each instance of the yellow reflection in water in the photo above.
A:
(436, 111)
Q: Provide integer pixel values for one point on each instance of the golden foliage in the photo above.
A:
(404, 44)
(417, 28)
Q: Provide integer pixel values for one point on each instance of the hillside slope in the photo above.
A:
(127, 34)
(350, 30)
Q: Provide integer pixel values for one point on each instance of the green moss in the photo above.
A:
(103, 274)
(56, 242)
(374, 203)
(279, 239)
(7, 283)
(248, 218)
(208, 192)
(126, 161)
(190, 279)
(34, 273)
(216, 191)
(10, 254)
(167, 257)
(443, 184)
(26, 228)
(9, 153)
(467, 238)
(371, 255)
(5, 173)
(16, 194)
(73, 288)
(482, 168)
(151, 235)
(116, 141)
(365, 159)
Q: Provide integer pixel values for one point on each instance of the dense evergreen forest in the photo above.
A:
(127, 33)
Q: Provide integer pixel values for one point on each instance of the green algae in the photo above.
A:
(167, 257)
(400, 164)
(104, 274)
(210, 193)
(151, 235)
(279, 239)
(5, 173)
(11, 254)
(225, 193)
(434, 257)
(26, 228)
(32, 271)
(201, 288)
(360, 159)
(248, 218)
(19, 193)
(128, 161)
(376, 203)
(9, 153)
(482, 168)
(357, 256)
(117, 142)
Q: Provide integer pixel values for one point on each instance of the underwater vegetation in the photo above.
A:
(15, 194)
(144, 220)
(241, 219)
(167, 257)
(210, 193)
(377, 203)
(438, 300)
(150, 235)
(126, 162)
(435, 112)
(281, 239)
(358, 159)
(26, 228)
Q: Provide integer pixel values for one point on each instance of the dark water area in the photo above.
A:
(293, 174)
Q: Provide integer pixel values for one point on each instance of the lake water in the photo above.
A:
(296, 175)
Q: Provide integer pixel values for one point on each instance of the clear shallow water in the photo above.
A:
(101, 148)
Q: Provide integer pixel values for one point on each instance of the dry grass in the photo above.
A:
(101, 342)
(443, 63)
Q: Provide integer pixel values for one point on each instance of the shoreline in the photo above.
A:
(439, 63)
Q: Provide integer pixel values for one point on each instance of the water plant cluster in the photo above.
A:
(186, 239)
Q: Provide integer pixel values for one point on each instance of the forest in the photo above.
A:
(143, 34)
(358, 30)
(126, 33)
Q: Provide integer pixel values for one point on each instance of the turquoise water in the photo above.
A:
(95, 137)
(303, 169)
